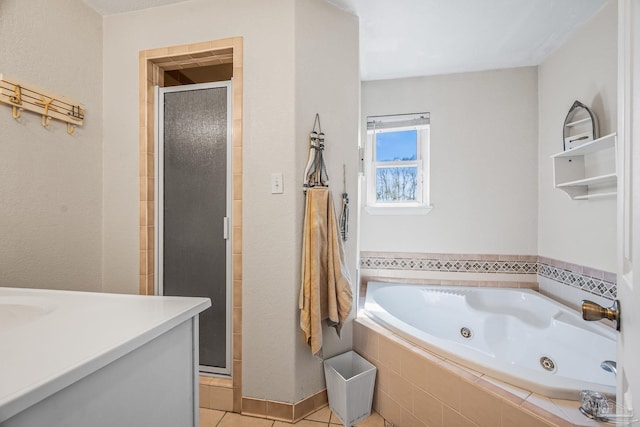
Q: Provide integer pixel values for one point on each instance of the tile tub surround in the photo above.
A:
(415, 387)
(487, 270)
(596, 282)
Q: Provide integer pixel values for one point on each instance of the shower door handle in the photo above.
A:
(225, 228)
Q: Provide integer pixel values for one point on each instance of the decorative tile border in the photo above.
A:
(451, 263)
(593, 285)
(596, 282)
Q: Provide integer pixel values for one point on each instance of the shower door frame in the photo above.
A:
(226, 224)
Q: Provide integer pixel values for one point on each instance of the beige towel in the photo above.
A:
(325, 292)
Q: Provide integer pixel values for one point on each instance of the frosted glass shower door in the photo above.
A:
(193, 211)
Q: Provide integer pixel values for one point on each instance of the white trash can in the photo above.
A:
(350, 381)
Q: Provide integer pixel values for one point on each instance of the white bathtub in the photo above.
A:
(511, 334)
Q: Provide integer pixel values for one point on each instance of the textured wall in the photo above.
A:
(274, 136)
(327, 82)
(268, 237)
(483, 160)
(50, 182)
(585, 69)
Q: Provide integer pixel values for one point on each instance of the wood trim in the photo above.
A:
(152, 65)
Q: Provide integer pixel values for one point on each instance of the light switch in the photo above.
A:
(277, 183)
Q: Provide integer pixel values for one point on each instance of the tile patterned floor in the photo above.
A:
(321, 418)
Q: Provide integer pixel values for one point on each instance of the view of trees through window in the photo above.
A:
(396, 184)
(396, 169)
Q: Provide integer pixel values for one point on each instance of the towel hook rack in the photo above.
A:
(315, 173)
(23, 97)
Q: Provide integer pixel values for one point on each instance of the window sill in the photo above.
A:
(398, 210)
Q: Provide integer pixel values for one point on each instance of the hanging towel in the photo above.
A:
(325, 292)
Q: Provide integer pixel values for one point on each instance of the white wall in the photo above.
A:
(50, 182)
(276, 121)
(584, 69)
(484, 134)
(327, 82)
(268, 129)
(269, 239)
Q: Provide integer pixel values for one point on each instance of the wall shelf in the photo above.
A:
(578, 122)
(595, 196)
(595, 180)
(587, 171)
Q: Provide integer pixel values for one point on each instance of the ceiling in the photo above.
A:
(112, 7)
(406, 38)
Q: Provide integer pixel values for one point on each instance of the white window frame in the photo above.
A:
(397, 123)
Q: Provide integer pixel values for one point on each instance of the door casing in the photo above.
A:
(153, 63)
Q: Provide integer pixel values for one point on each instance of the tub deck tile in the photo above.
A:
(451, 418)
(479, 405)
(558, 409)
(457, 396)
(413, 368)
(401, 390)
(427, 408)
(512, 415)
(462, 371)
(504, 390)
(445, 386)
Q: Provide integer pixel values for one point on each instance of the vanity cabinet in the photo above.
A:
(78, 359)
(589, 170)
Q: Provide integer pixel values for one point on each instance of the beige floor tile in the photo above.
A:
(210, 417)
(301, 423)
(373, 420)
(322, 415)
(231, 419)
(335, 419)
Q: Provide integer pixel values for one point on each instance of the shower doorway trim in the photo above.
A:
(153, 63)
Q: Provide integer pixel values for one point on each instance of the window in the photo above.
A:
(398, 163)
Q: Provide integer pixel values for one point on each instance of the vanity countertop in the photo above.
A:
(50, 339)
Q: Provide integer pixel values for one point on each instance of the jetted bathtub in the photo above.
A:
(515, 335)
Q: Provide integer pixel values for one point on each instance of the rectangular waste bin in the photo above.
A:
(350, 381)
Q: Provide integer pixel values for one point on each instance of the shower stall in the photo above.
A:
(193, 208)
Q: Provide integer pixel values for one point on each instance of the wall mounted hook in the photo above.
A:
(46, 119)
(17, 112)
(70, 128)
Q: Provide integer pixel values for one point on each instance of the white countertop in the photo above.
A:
(50, 339)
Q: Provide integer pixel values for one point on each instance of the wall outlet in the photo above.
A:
(277, 183)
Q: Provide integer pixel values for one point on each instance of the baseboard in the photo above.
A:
(216, 393)
(284, 411)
